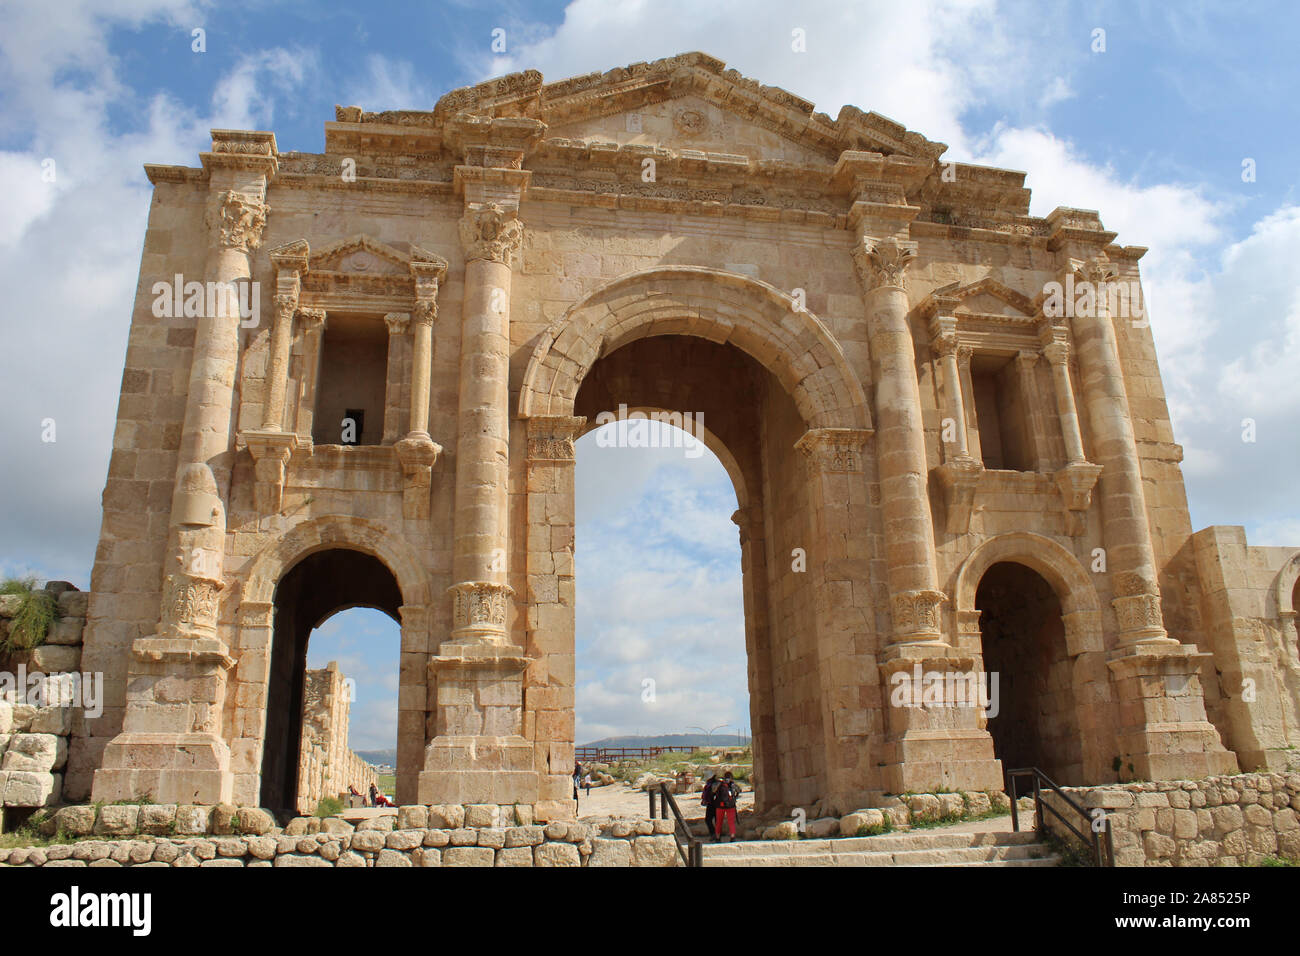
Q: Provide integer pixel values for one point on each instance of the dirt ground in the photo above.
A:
(620, 800)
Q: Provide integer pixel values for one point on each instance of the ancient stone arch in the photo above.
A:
(1080, 608)
(256, 625)
(336, 531)
(1284, 589)
(709, 303)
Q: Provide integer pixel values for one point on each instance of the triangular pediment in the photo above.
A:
(986, 296)
(689, 101)
(362, 255)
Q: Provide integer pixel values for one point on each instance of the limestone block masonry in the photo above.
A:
(979, 471)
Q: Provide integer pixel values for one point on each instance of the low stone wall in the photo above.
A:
(38, 718)
(158, 835)
(1236, 820)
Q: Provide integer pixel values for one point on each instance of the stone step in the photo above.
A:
(885, 843)
(1023, 854)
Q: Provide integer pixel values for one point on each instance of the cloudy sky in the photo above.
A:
(1179, 122)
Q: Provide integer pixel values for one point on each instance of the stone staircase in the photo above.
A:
(920, 848)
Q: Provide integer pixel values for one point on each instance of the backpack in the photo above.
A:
(727, 793)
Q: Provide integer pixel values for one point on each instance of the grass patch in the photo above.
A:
(329, 807)
(876, 829)
(37, 609)
(1279, 861)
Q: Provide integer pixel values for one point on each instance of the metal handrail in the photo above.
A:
(688, 845)
(1103, 848)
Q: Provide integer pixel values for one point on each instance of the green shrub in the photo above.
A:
(329, 807)
(36, 612)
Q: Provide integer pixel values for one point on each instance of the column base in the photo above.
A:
(166, 768)
(1164, 732)
(935, 740)
(479, 769)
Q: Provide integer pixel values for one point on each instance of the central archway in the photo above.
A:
(764, 374)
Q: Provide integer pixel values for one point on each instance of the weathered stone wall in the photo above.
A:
(418, 836)
(326, 765)
(1219, 821)
(38, 720)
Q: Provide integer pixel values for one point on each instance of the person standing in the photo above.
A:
(727, 793)
(708, 797)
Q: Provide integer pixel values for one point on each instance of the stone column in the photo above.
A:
(1058, 356)
(1026, 361)
(171, 748)
(964, 353)
(398, 324)
(417, 451)
(1079, 476)
(491, 238)
(762, 706)
(915, 598)
(959, 475)
(1130, 556)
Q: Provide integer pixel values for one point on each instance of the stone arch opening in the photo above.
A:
(1022, 636)
(768, 378)
(316, 588)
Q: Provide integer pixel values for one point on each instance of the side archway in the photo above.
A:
(1080, 608)
(712, 304)
(262, 668)
(1035, 654)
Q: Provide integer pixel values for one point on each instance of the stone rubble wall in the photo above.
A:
(1233, 820)
(34, 739)
(155, 835)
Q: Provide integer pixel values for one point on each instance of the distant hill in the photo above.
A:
(379, 758)
(672, 740)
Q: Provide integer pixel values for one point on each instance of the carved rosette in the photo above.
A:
(834, 450)
(489, 232)
(239, 220)
(478, 611)
(883, 264)
(916, 615)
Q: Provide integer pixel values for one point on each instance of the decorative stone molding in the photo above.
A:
(490, 232)
(834, 450)
(959, 477)
(239, 220)
(478, 611)
(418, 454)
(270, 449)
(883, 264)
(429, 270)
(397, 322)
(551, 437)
(916, 615)
(190, 601)
(1137, 608)
(1076, 481)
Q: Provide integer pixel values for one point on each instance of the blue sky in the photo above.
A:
(1153, 132)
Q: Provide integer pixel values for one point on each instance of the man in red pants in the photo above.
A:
(725, 796)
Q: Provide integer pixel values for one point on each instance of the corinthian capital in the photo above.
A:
(882, 264)
(490, 232)
(239, 220)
